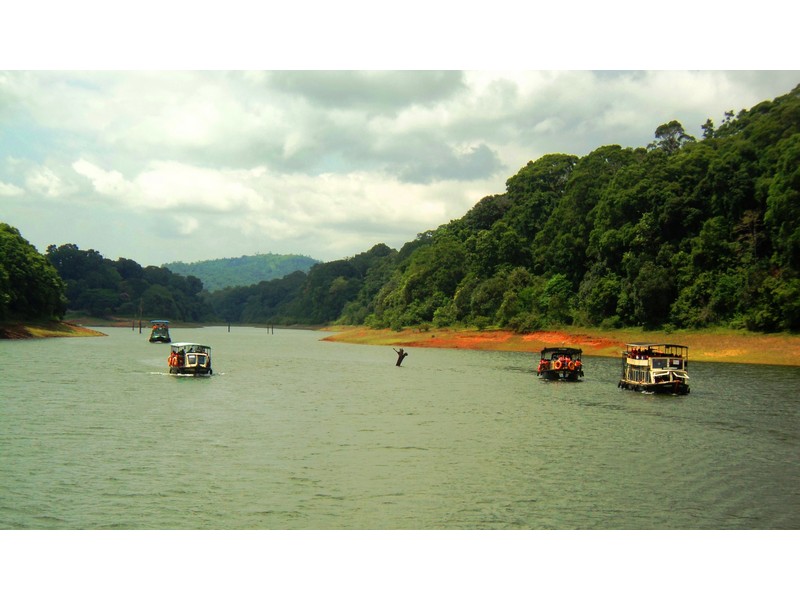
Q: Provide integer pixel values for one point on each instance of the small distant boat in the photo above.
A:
(160, 332)
(187, 358)
(561, 363)
(655, 368)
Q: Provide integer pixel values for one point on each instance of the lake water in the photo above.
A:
(295, 433)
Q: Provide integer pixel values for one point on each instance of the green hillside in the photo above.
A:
(220, 273)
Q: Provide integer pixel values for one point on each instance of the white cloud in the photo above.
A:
(108, 183)
(172, 185)
(8, 189)
(166, 186)
(44, 181)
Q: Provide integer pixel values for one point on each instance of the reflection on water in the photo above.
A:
(295, 433)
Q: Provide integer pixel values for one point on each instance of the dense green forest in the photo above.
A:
(30, 288)
(322, 296)
(217, 274)
(685, 233)
(101, 287)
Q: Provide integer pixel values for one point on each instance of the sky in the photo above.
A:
(159, 159)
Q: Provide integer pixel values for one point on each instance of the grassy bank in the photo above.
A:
(709, 345)
(21, 331)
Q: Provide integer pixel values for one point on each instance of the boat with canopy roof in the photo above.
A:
(189, 358)
(655, 368)
(159, 333)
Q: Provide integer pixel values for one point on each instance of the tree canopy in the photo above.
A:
(102, 287)
(30, 287)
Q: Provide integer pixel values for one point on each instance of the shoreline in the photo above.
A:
(714, 345)
(704, 346)
(32, 331)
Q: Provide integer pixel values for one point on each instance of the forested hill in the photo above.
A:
(220, 273)
(35, 286)
(682, 233)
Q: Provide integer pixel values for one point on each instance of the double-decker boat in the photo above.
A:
(188, 358)
(655, 368)
(561, 363)
(160, 331)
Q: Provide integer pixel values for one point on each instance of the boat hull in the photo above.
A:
(675, 388)
(196, 371)
(560, 374)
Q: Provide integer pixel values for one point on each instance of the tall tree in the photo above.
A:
(670, 137)
(30, 288)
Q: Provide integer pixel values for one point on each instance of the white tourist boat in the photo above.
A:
(655, 368)
(188, 358)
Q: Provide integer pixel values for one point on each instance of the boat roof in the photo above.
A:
(564, 350)
(648, 344)
(185, 344)
(159, 321)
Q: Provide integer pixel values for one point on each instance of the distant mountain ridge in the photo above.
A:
(219, 273)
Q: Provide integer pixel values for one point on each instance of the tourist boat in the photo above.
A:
(655, 368)
(160, 331)
(187, 358)
(561, 363)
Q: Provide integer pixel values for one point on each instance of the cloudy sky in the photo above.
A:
(190, 164)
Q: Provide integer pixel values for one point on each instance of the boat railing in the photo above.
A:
(637, 361)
